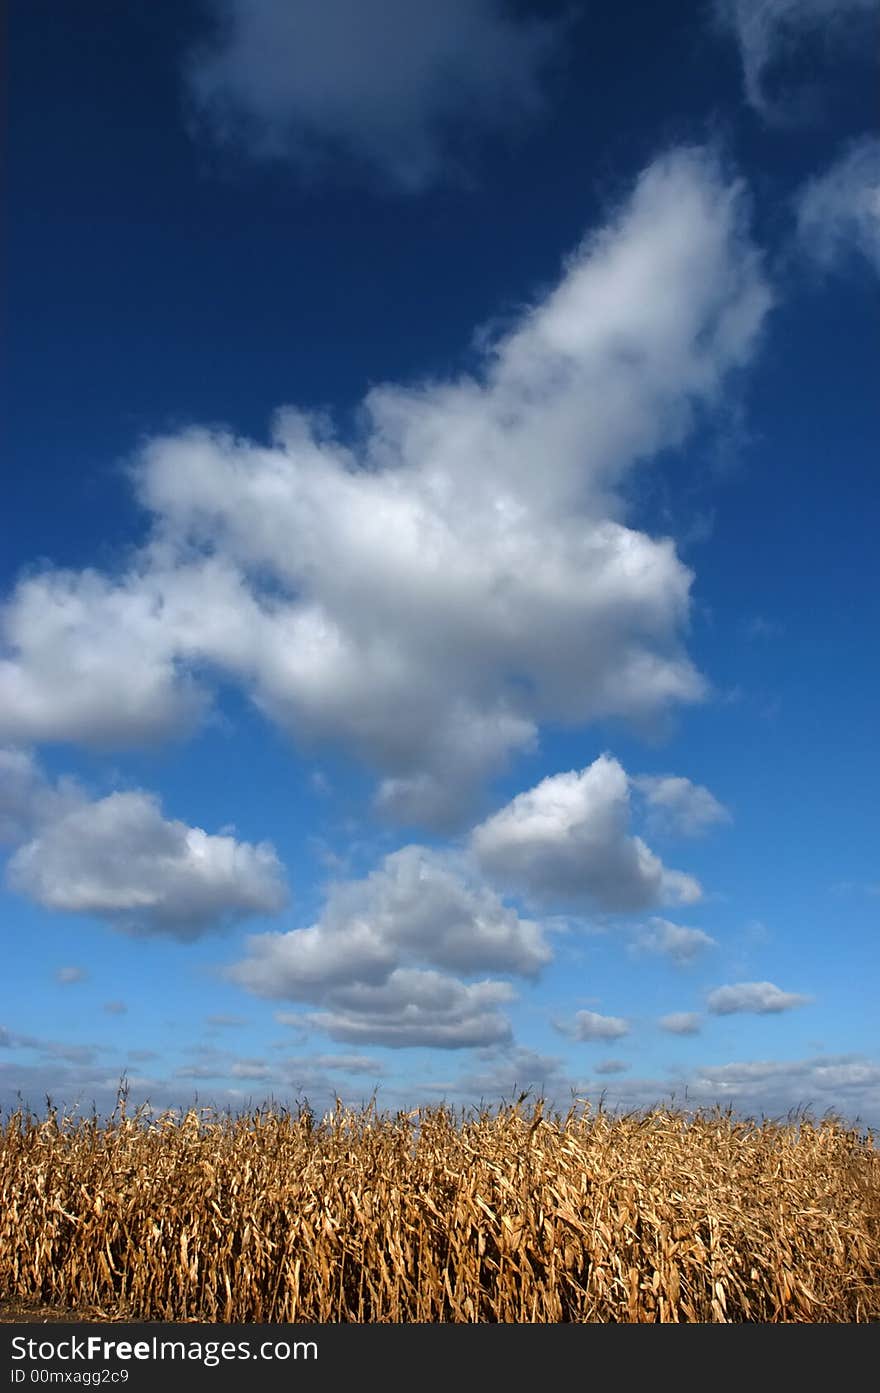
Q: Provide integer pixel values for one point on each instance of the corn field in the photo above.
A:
(515, 1214)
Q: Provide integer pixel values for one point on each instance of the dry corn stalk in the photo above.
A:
(499, 1215)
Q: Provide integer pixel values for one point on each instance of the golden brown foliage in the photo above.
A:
(506, 1215)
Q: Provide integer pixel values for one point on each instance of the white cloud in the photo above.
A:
(428, 596)
(20, 783)
(418, 1007)
(674, 941)
(54, 1049)
(676, 805)
(425, 920)
(771, 32)
(762, 998)
(504, 1072)
(345, 1063)
(848, 1085)
(253, 1069)
(589, 1025)
(26, 798)
(845, 1084)
(118, 858)
(297, 1025)
(839, 210)
(416, 905)
(681, 1023)
(380, 959)
(566, 841)
(611, 1066)
(315, 1074)
(387, 85)
(94, 662)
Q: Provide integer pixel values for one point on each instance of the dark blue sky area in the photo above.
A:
(151, 282)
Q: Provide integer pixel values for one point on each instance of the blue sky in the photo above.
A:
(438, 605)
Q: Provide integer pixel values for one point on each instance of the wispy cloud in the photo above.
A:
(681, 945)
(681, 1023)
(839, 209)
(772, 32)
(760, 628)
(590, 1025)
(677, 806)
(69, 976)
(356, 88)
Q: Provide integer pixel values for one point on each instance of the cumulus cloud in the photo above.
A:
(674, 941)
(74, 1075)
(611, 1066)
(676, 805)
(566, 841)
(26, 797)
(839, 210)
(589, 1025)
(72, 1084)
(430, 592)
(19, 784)
(54, 1049)
(772, 32)
(848, 1085)
(681, 1023)
(419, 1007)
(119, 858)
(416, 904)
(297, 1027)
(92, 661)
(388, 959)
(255, 1069)
(387, 956)
(368, 86)
(503, 1073)
(761, 998)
